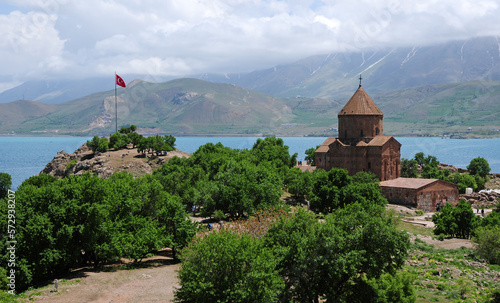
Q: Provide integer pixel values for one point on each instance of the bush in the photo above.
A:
(488, 243)
(71, 164)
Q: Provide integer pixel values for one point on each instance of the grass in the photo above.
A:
(413, 229)
(450, 275)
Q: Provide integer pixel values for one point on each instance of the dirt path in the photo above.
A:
(152, 284)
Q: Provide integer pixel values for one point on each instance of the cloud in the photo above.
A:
(57, 38)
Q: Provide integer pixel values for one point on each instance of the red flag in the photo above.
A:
(120, 82)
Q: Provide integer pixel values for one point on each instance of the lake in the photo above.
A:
(22, 157)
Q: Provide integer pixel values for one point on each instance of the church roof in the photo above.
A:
(325, 147)
(381, 140)
(360, 104)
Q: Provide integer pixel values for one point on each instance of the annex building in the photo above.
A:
(424, 194)
(361, 145)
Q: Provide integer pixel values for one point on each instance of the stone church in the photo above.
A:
(361, 145)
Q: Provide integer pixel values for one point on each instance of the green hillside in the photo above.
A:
(191, 106)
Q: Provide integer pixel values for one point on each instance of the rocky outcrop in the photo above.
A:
(483, 199)
(105, 164)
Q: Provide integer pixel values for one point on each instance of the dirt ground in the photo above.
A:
(153, 283)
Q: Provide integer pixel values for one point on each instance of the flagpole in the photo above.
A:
(116, 108)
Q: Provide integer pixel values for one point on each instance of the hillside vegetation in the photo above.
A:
(191, 106)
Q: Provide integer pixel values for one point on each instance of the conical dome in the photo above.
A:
(360, 104)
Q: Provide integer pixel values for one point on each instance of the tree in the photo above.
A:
(103, 145)
(98, 144)
(5, 184)
(488, 243)
(227, 267)
(311, 155)
(82, 220)
(274, 150)
(458, 221)
(326, 193)
(134, 138)
(118, 141)
(479, 166)
(463, 181)
(329, 260)
(409, 168)
(93, 144)
(298, 183)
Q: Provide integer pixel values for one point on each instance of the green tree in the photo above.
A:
(298, 183)
(458, 221)
(93, 144)
(487, 241)
(118, 141)
(329, 260)
(98, 144)
(274, 150)
(226, 267)
(463, 181)
(409, 168)
(423, 161)
(134, 138)
(479, 166)
(244, 187)
(103, 145)
(311, 155)
(365, 188)
(326, 189)
(5, 184)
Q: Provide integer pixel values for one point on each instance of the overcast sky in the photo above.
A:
(44, 39)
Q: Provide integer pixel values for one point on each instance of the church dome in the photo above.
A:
(360, 104)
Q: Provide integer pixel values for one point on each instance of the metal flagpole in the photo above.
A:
(116, 108)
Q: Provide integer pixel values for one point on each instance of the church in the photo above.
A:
(361, 145)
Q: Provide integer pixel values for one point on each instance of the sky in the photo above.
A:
(61, 39)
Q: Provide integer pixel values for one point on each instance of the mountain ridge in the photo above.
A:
(192, 106)
(327, 76)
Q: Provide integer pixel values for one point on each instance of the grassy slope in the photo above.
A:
(195, 106)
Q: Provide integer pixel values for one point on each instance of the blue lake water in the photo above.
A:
(22, 157)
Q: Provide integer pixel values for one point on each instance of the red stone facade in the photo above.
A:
(424, 194)
(361, 145)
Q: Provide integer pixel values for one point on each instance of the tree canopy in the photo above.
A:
(300, 259)
(65, 223)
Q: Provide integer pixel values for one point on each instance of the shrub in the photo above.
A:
(71, 164)
(488, 243)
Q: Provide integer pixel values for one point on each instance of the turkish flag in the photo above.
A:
(119, 81)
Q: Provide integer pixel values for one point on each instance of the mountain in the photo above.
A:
(182, 106)
(329, 76)
(54, 91)
(192, 106)
(334, 75)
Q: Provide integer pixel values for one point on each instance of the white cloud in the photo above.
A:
(66, 37)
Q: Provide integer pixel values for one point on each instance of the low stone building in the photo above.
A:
(424, 194)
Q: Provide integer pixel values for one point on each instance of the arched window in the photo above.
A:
(377, 131)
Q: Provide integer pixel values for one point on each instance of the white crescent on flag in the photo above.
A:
(120, 82)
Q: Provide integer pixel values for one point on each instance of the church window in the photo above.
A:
(369, 165)
(361, 135)
(376, 131)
